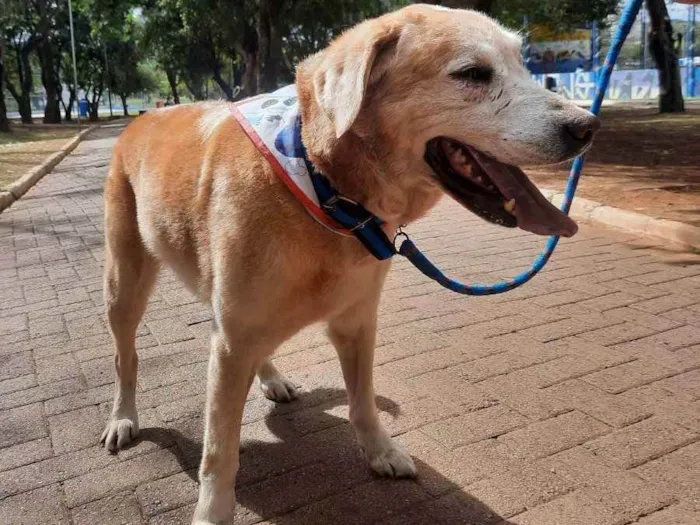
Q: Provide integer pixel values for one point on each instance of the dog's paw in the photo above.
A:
(389, 459)
(119, 433)
(215, 505)
(278, 389)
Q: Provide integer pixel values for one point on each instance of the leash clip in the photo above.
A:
(400, 233)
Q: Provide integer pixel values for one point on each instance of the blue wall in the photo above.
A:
(632, 84)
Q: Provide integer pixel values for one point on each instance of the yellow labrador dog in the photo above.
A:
(396, 112)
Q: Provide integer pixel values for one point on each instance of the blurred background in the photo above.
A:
(131, 55)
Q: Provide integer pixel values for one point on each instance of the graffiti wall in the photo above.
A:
(561, 52)
(633, 84)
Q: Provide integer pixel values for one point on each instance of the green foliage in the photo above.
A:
(559, 15)
(164, 45)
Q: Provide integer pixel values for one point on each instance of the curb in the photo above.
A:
(680, 233)
(16, 189)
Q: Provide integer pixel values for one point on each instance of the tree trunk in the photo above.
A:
(68, 109)
(251, 65)
(4, 122)
(270, 44)
(49, 76)
(94, 105)
(24, 71)
(225, 86)
(661, 47)
(124, 105)
(172, 80)
(249, 85)
(24, 104)
(52, 111)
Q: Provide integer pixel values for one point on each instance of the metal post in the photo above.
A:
(75, 67)
(595, 50)
(644, 38)
(109, 90)
(690, 52)
(526, 41)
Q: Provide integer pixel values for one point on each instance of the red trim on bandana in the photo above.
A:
(315, 211)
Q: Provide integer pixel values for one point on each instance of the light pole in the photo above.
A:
(109, 89)
(75, 67)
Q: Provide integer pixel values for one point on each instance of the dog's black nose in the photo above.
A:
(581, 131)
(578, 133)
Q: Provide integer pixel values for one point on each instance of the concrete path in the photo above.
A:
(574, 400)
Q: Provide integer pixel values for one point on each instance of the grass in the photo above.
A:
(34, 133)
(28, 146)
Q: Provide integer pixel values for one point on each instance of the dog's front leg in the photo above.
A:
(353, 335)
(231, 369)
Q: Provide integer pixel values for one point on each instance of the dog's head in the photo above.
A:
(439, 98)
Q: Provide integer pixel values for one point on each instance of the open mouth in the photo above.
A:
(497, 192)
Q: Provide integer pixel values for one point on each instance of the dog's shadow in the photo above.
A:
(301, 465)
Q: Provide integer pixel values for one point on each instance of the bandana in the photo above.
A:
(273, 122)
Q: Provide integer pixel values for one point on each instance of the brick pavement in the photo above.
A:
(573, 400)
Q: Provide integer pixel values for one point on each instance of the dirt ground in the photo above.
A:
(641, 161)
(28, 146)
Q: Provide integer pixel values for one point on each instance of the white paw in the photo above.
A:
(215, 505)
(120, 432)
(387, 458)
(279, 389)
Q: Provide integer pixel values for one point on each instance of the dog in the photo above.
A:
(396, 112)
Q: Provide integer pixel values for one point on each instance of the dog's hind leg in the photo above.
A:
(130, 272)
(236, 353)
(353, 335)
(274, 385)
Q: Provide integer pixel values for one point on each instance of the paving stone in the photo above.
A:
(623, 494)
(562, 402)
(74, 430)
(627, 375)
(122, 509)
(168, 493)
(677, 473)
(25, 453)
(38, 507)
(675, 514)
(608, 408)
(552, 435)
(16, 365)
(17, 383)
(576, 508)
(22, 424)
(686, 385)
(514, 491)
(641, 442)
(475, 426)
(119, 476)
(57, 368)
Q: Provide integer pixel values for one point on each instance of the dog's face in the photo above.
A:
(445, 92)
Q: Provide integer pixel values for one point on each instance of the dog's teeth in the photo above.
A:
(509, 206)
(459, 157)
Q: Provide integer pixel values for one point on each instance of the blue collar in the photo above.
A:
(351, 215)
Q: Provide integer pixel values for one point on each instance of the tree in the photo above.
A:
(48, 52)
(16, 24)
(4, 122)
(662, 49)
(127, 74)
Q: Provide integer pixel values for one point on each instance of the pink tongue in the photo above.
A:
(534, 213)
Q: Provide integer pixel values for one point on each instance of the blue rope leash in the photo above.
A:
(410, 251)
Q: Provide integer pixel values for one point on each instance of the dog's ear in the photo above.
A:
(355, 61)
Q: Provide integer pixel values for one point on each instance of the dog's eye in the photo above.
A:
(475, 74)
